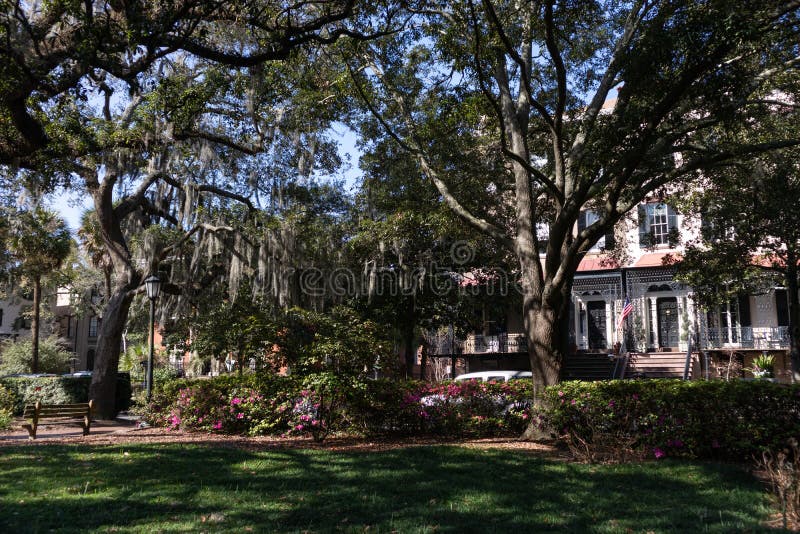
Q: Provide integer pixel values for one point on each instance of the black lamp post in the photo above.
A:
(153, 287)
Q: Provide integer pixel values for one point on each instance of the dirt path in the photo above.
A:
(126, 431)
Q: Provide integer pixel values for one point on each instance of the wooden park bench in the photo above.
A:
(57, 414)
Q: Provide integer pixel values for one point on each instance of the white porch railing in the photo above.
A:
(478, 344)
(746, 337)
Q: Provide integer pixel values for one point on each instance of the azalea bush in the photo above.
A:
(321, 403)
(668, 418)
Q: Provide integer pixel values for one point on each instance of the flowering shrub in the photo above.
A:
(447, 409)
(664, 418)
(322, 404)
(306, 416)
(232, 405)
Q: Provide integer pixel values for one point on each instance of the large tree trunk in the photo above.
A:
(407, 336)
(37, 302)
(109, 340)
(545, 340)
(794, 315)
(547, 333)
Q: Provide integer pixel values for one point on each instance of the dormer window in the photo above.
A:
(658, 225)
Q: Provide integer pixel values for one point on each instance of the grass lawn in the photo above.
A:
(185, 487)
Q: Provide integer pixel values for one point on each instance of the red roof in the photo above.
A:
(656, 259)
(597, 263)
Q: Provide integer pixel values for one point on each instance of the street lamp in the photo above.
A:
(153, 287)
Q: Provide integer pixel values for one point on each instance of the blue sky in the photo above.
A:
(72, 205)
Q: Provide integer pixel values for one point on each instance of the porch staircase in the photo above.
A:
(657, 365)
(587, 366)
(598, 366)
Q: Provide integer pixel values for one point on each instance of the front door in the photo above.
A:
(596, 317)
(667, 321)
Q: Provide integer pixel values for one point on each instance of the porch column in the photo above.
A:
(681, 309)
(652, 333)
(610, 323)
(577, 321)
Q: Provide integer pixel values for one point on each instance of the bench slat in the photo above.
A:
(76, 405)
(79, 413)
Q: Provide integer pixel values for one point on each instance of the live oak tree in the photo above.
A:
(568, 106)
(152, 109)
(53, 51)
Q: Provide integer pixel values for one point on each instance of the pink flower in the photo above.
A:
(236, 400)
(239, 416)
(299, 427)
(658, 453)
(217, 425)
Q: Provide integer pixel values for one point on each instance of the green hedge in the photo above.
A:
(658, 418)
(61, 390)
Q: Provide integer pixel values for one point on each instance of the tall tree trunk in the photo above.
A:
(407, 335)
(794, 315)
(37, 302)
(547, 332)
(546, 342)
(109, 340)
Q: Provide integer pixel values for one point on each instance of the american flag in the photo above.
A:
(626, 311)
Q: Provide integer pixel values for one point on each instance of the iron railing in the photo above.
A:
(478, 344)
(746, 337)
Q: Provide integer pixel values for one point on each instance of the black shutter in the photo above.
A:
(782, 307)
(744, 311)
(581, 222)
(610, 241)
(643, 237)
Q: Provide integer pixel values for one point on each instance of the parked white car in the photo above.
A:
(494, 376)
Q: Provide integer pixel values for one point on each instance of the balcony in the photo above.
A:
(746, 337)
(477, 344)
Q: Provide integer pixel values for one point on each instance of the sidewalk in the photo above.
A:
(122, 424)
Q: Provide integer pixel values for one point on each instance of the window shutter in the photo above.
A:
(744, 311)
(782, 307)
(643, 226)
(582, 222)
(610, 241)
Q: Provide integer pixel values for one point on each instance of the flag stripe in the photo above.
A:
(626, 310)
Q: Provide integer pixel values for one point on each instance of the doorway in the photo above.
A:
(667, 309)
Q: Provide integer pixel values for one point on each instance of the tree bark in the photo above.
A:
(37, 302)
(410, 355)
(109, 340)
(794, 315)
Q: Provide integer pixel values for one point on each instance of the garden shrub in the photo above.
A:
(319, 404)
(251, 404)
(7, 403)
(658, 418)
(60, 390)
(17, 356)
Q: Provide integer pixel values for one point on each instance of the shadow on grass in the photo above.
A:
(443, 489)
